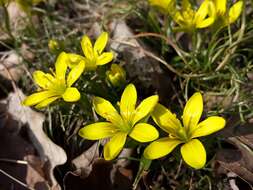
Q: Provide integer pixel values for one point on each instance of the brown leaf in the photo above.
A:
(11, 66)
(50, 153)
(103, 176)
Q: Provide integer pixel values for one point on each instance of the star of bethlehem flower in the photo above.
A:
(94, 55)
(56, 85)
(120, 125)
(165, 6)
(192, 150)
(224, 15)
(189, 19)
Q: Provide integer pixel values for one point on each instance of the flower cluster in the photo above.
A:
(126, 119)
(210, 12)
(57, 85)
(129, 122)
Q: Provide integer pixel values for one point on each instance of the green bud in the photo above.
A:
(53, 46)
(116, 75)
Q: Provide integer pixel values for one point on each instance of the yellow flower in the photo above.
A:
(189, 19)
(56, 85)
(94, 56)
(192, 150)
(227, 16)
(165, 6)
(120, 125)
(116, 75)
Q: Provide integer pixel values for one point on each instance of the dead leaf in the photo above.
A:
(11, 66)
(18, 157)
(18, 20)
(238, 160)
(101, 177)
(48, 151)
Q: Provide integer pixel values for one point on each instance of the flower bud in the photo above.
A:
(116, 75)
(53, 46)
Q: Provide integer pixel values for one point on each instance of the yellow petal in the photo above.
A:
(221, 6)
(160, 148)
(128, 102)
(166, 120)
(71, 95)
(205, 23)
(100, 43)
(202, 12)
(104, 58)
(186, 5)
(75, 73)
(97, 131)
(194, 154)
(209, 126)
(163, 5)
(105, 109)
(114, 146)
(177, 17)
(42, 79)
(144, 132)
(74, 59)
(46, 102)
(145, 107)
(87, 47)
(201, 19)
(38, 97)
(193, 111)
(61, 66)
(235, 11)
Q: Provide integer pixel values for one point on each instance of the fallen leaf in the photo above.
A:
(11, 66)
(49, 152)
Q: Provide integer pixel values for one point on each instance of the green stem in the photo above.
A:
(143, 167)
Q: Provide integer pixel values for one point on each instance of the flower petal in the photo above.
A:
(209, 126)
(74, 59)
(38, 97)
(193, 111)
(163, 5)
(46, 102)
(235, 11)
(61, 66)
(101, 42)
(160, 148)
(104, 58)
(202, 12)
(186, 5)
(87, 47)
(166, 120)
(97, 131)
(75, 73)
(42, 79)
(114, 146)
(205, 23)
(71, 94)
(128, 102)
(105, 109)
(205, 15)
(194, 154)
(144, 132)
(221, 6)
(145, 107)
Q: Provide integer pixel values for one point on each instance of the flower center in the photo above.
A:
(182, 134)
(59, 86)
